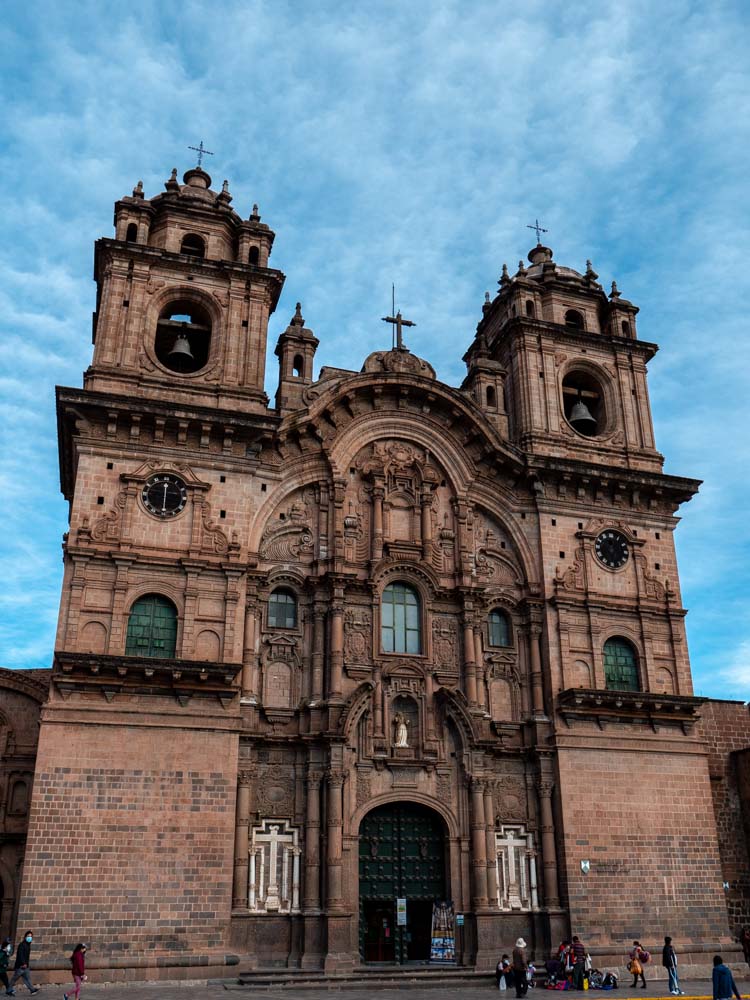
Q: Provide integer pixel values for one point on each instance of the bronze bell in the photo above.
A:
(181, 357)
(581, 419)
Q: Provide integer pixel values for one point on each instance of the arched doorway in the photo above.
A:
(402, 855)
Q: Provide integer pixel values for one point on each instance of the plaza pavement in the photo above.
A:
(229, 990)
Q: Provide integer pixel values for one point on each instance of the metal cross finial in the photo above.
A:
(201, 152)
(399, 322)
(538, 229)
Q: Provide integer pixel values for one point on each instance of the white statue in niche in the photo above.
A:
(402, 731)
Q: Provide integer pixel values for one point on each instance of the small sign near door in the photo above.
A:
(459, 920)
(401, 912)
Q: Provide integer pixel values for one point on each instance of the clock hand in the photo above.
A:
(164, 501)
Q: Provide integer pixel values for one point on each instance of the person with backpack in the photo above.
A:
(21, 966)
(78, 967)
(638, 958)
(5, 953)
(669, 961)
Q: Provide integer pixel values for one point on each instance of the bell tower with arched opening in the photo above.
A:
(184, 293)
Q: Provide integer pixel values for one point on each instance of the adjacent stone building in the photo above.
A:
(388, 639)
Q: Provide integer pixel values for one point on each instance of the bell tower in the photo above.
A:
(184, 293)
(576, 374)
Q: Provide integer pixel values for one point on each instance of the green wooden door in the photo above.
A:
(152, 627)
(402, 853)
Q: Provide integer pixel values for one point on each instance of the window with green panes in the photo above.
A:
(400, 620)
(620, 666)
(499, 629)
(152, 627)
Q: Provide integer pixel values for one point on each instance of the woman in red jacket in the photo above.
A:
(78, 965)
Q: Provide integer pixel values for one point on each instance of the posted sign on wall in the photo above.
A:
(401, 912)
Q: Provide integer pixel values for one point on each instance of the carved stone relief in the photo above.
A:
(357, 635)
(445, 641)
(289, 535)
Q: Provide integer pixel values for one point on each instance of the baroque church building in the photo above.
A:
(386, 639)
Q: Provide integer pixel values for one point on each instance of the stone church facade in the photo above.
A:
(387, 638)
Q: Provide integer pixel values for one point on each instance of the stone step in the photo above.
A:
(366, 977)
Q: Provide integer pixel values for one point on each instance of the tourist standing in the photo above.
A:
(637, 958)
(519, 968)
(723, 981)
(78, 967)
(578, 954)
(669, 961)
(21, 966)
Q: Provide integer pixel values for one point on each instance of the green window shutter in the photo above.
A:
(152, 627)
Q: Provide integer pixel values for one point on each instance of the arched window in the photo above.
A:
(498, 627)
(574, 318)
(152, 627)
(132, 234)
(253, 256)
(19, 799)
(400, 625)
(282, 609)
(620, 665)
(530, 311)
(298, 366)
(625, 328)
(193, 245)
(583, 403)
(491, 397)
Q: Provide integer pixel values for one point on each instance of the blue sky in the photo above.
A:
(394, 142)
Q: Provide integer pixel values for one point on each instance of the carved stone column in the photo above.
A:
(249, 652)
(378, 495)
(242, 841)
(337, 646)
(535, 650)
(489, 817)
(311, 898)
(470, 663)
(377, 703)
(318, 656)
(478, 846)
(426, 524)
(334, 829)
(545, 787)
(482, 692)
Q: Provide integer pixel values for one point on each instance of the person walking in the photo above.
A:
(5, 953)
(21, 966)
(669, 961)
(519, 968)
(723, 981)
(635, 965)
(78, 967)
(578, 954)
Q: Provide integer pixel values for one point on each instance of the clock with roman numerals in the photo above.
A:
(612, 549)
(164, 495)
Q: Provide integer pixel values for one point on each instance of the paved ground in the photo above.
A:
(188, 991)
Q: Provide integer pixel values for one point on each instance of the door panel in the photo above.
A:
(402, 853)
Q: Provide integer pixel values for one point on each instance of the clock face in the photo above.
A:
(612, 549)
(164, 495)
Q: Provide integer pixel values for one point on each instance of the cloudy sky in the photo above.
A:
(405, 142)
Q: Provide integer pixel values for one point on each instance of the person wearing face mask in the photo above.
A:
(78, 965)
(5, 953)
(21, 966)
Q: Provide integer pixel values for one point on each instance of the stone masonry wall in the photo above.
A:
(725, 727)
(644, 821)
(130, 840)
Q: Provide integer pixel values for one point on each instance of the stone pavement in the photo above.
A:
(228, 990)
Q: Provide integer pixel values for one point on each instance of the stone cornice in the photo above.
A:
(140, 675)
(20, 681)
(606, 707)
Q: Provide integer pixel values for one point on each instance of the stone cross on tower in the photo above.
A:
(399, 322)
